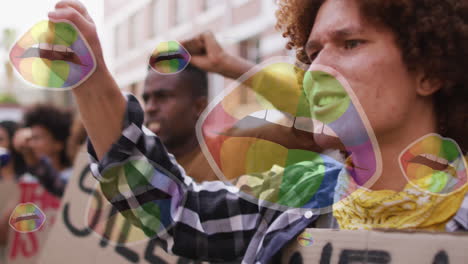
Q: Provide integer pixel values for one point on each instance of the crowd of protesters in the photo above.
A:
(384, 60)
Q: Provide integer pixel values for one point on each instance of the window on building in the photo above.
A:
(116, 41)
(208, 4)
(249, 49)
(181, 11)
(132, 31)
(119, 39)
(152, 17)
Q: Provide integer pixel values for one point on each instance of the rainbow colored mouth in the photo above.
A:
(333, 102)
(169, 58)
(53, 55)
(26, 218)
(434, 164)
(305, 239)
(276, 162)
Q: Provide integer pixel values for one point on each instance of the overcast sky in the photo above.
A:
(22, 14)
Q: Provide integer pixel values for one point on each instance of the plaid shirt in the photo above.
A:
(208, 221)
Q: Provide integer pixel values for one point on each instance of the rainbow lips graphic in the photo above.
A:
(53, 55)
(169, 58)
(434, 164)
(266, 148)
(26, 218)
(305, 239)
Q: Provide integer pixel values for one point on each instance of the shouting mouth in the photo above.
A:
(267, 148)
(154, 126)
(27, 217)
(53, 55)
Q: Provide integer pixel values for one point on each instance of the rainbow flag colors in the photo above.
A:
(305, 239)
(53, 55)
(26, 218)
(434, 164)
(267, 148)
(169, 57)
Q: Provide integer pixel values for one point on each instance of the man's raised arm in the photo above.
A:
(99, 99)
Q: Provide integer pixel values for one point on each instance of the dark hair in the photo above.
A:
(19, 164)
(431, 34)
(195, 78)
(57, 121)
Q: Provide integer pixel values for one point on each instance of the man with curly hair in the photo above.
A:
(405, 61)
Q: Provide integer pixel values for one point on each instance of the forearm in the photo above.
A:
(99, 99)
(102, 107)
(234, 67)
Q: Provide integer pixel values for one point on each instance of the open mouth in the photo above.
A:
(275, 136)
(324, 101)
(434, 164)
(260, 125)
(52, 52)
(154, 126)
(166, 56)
(431, 161)
(53, 55)
(169, 57)
(27, 218)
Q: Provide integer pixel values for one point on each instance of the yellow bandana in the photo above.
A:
(407, 209)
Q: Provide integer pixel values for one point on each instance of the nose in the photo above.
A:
(151, 106)
(326, 58)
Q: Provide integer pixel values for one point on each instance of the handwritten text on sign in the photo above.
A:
(334, 246)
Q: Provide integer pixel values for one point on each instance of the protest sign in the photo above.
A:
(9, 191)
(75, 238)
(25, 248)
(327, 246)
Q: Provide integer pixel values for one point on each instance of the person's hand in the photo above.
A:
(76, 13)
(99, 99)
(208, 55)
(21, 143)
(21, 139)
(206, 52)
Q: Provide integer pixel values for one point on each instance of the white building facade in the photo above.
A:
(132, 30)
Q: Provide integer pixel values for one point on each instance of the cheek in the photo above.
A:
(4, 143)
(383, 87)
(43, 146)
(172, 109)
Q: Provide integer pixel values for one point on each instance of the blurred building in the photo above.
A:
(132, 30)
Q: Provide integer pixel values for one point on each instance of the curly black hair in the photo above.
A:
(56, 120)
(431, 34)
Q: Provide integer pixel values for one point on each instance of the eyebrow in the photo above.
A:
(158, 92)
(334, 35)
